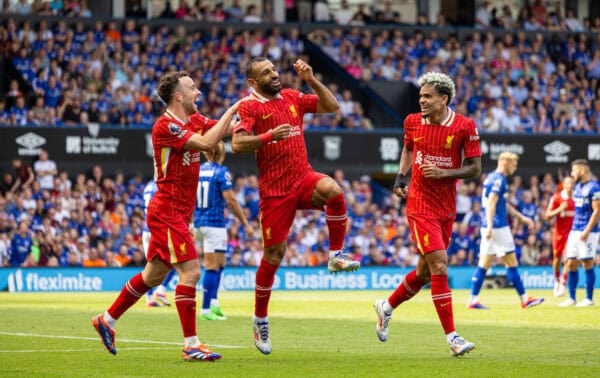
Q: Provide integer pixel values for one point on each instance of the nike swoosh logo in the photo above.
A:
(444, 304)
(418, 139)
(265, 116)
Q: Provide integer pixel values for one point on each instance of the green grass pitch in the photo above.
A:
(314, 334)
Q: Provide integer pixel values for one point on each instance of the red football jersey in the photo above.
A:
(280, 163)
(176, 169)
(564, 219)
(444, 145)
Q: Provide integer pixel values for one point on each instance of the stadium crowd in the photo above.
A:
(108, 75)
(516, 82)
(94, 220)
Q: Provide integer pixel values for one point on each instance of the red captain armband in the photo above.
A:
(266, 138)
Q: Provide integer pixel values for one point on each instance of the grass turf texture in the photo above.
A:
(317, 334)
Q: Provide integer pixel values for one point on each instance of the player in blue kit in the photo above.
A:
(155, 297)
(583, 238)
(496, 237)
(215, 191)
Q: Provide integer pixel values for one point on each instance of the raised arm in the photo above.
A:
(327, 101)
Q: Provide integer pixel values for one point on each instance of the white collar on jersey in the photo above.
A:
(446, 122)
(262, 98)
(170, 114)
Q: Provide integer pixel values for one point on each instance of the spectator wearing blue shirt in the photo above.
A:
(21, 246)
(460, 241)
(527, 206)
(473, 218)
(52, 90)
(18, 112)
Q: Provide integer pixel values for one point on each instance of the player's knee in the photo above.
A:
(274, 254)
(335, 190)
(336, 204)
(190, 278)
(438, 267)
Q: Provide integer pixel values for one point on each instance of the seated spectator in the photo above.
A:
(93, 259)
(20, 7)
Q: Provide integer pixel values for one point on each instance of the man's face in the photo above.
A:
(568, 184)
(188, 94)
(577, 171)
(265, 78)
(431, 102)
(512, 166)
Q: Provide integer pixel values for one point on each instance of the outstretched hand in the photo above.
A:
(304, 70)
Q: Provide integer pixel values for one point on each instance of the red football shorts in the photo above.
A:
(170, 239)
(559, 244)
(430, 234)
(277, 213)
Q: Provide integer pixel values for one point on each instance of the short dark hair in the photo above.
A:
(168, 83)
(580, 162)
(250, 65)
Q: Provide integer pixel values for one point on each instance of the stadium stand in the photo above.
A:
(77, 71)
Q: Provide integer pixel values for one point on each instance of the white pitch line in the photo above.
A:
(73, 350)
(119, 340)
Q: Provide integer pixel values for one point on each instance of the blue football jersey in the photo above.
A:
(149, 191)
(583, 196)
(213, 180)
(495, 182)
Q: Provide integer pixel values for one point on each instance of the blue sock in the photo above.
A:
(513, 277)
(218, 283)
(573, 280)
(590, 280)
(168, 278)
(477, 280)
(209, 283)
(149, 293)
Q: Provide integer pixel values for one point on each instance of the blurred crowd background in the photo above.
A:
(530, 69)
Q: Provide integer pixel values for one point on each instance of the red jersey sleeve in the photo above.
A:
(472, 147)
(168, 133)
(246, 111)
(307, 103)
(408, 125)
(200, 123)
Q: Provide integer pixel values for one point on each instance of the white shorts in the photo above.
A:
(213, 239)
(500, 244)
(145, 241)
(582, 250)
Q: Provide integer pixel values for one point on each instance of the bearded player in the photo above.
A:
(272, 125)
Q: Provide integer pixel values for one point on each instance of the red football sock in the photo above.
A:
(442, 299)
(565, 275)
(335, 216)
(265, 276)
(130, 293)
(406, 290)
(185, 301)
(556, 275)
